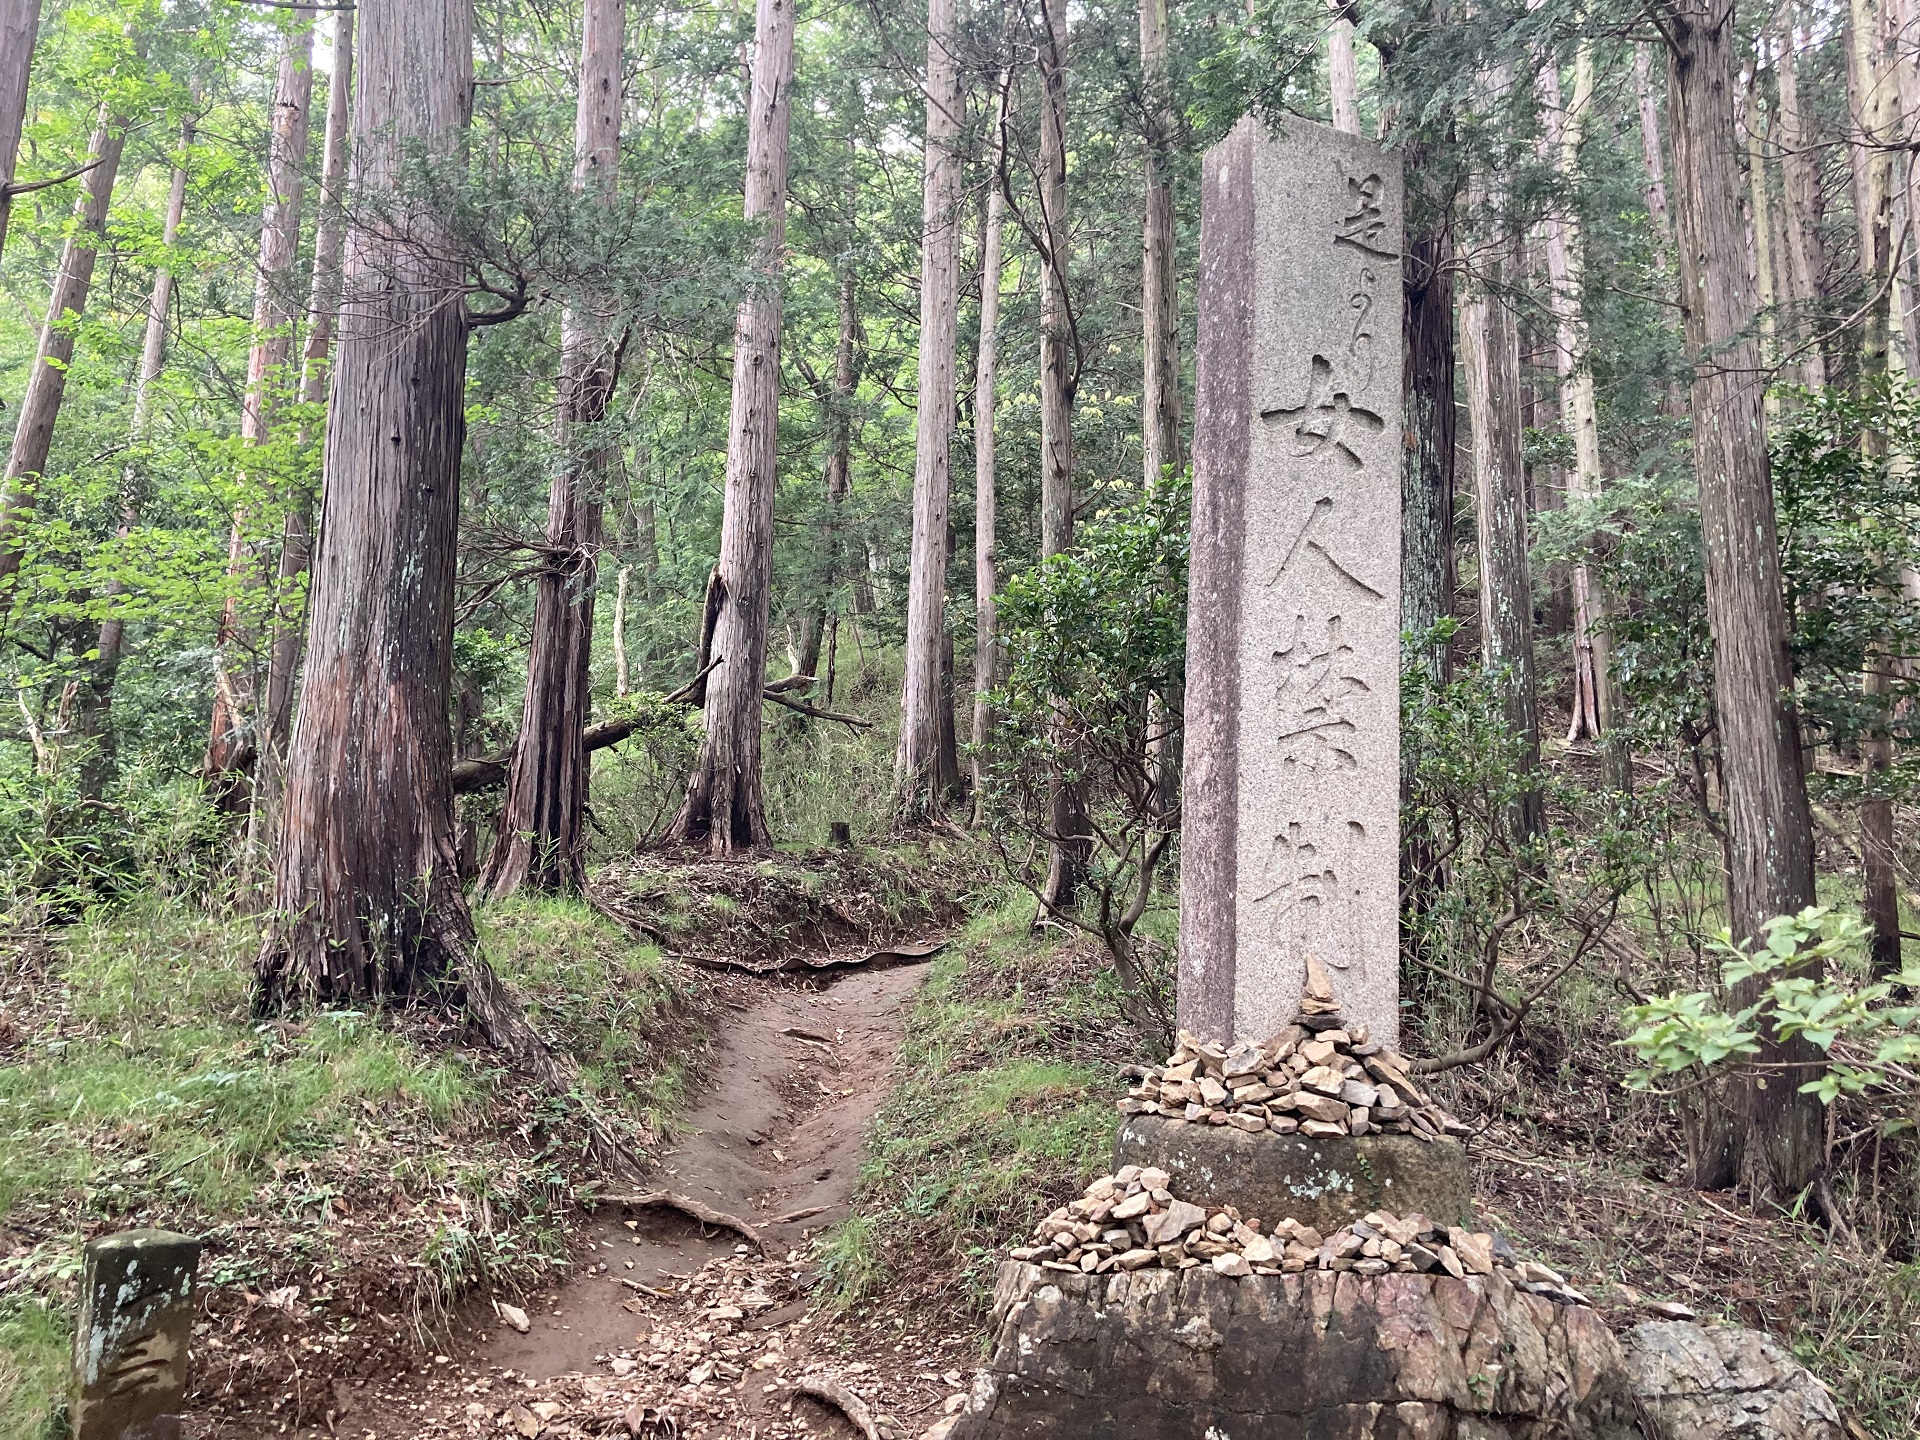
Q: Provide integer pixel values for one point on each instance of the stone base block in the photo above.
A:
(1194, 1355)
(1323, 1183)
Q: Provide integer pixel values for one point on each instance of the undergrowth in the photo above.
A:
(1002, 1107)
(339, 1165)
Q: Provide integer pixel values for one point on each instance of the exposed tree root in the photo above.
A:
(687, 1205)
(842, 1399)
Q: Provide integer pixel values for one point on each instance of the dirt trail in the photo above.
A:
(789, 1088)
(666, 1327)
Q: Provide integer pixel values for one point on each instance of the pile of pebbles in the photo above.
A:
(1319, 1077)
(1130, 1220)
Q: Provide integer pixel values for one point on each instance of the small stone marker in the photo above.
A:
(130, 1351)
(1292, 789)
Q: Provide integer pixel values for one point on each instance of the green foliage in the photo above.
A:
(1096, 643)
(1804, 988)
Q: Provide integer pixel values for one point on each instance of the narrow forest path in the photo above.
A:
(669, 1327)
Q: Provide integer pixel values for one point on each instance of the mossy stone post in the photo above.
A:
(130, 1350)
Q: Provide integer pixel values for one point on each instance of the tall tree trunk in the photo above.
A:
(367, 894)
(1070, 849)
(296, 543)
(919, 785)
(1427, 579)
(274, 314)
(986, 380)
(839, 470)
(542, 839)
(1343, 79)
(622, 675)
(1581, 411)
(19, 27)
(1490, 347)
(724, 809)
(47, 384)
(1160, 331)
(1806, 253)
(1769, 823)
(1159, 308)
(1880, 125)
(94, 712)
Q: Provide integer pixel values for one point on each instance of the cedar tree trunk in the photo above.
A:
(724, 809)
(542, 838)
(367, 895)
(274, 314)
(919, 784)
(986, 381)
(1769, 822)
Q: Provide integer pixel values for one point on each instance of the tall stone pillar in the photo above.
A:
(1290, 818)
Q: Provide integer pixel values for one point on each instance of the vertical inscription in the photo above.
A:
(1321, 834)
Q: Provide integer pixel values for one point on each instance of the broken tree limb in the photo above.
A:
(489, 772)
(687, 1205)
(852, 722)
(842, 1399)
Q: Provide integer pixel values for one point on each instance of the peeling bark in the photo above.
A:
(542, 840)
(1769, 823)
(724, 809)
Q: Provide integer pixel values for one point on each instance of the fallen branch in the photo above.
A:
(687, 1205)
(842, 1399)
(489, 772)
(852, 722)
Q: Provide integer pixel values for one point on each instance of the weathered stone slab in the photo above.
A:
(1719, 1382)
(1188, 1354)
(1325, 1183)
(1291, 805)
(130, 1350)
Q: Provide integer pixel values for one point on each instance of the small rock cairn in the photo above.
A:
(1130, 1220)
(1318, 1077)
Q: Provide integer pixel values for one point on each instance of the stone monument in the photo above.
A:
(1290, 818)
(1292, 799)
(130, 1349)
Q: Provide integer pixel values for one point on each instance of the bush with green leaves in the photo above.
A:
(1096, 644)
(1868, 1032)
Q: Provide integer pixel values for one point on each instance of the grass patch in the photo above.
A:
(1003, 1107)
(371, 1159)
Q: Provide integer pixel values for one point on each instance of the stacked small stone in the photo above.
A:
(1130, 1220)
(1317, 1077)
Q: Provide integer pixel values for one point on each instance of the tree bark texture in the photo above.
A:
(1768, 819)
(920, 785)
(1806, 251)
(367, 893)
(1597, 698)
(986, 382)
(94, 710)
(1159, 305)
(1880, 136)
(724, 809)
(19, 27)
(542, 835)
(1490, 348)
(1343, 79)
(47, 384)
(275, 311)
(1058, 372)
(1070, 849)
(323, 303)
